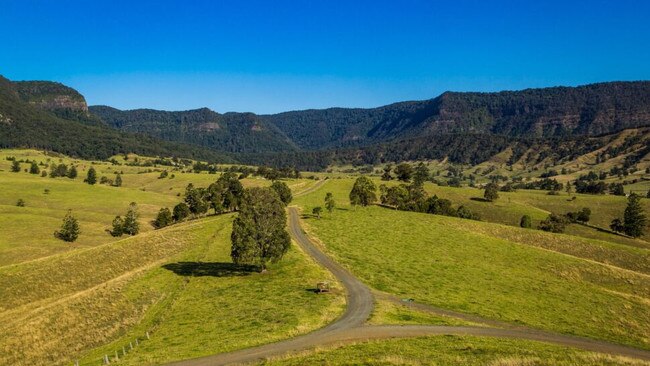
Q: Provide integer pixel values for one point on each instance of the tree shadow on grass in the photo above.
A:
(479, 199)
(212, 269)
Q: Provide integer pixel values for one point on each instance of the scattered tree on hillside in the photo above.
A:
(491, 192)
(283, 191)
(634, 219)
(72, 172)
(15, 166)
(569, 188)
(69, 229)
(91, 177)
(34, 169)
(404, 171)
(258, 233)
(526, 222)
(363, 192)
(164, 218)
(330, 203)
(181, 211)
(386, 175)
(20, 202)
(118, 227)
(316, 211)
(131, 225)
(118, 180)
(421, 174)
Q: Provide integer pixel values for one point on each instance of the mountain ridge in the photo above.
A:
(464, 127)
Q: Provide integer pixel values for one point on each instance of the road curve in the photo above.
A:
(350, 327)
(360, 303)
(312, 188)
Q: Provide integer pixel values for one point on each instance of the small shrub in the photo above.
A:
(20, 203)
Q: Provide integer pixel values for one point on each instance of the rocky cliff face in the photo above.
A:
(51, 96)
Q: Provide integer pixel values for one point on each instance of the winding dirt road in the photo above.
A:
(351, 327)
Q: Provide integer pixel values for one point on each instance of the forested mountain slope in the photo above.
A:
(232, 132)
(53, 117)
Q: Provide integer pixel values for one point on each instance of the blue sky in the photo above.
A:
(272, 56)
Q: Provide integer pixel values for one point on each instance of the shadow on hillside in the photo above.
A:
(213, 269)
(479, 199)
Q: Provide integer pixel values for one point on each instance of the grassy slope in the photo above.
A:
(450, 350)
(483, 273)
(60, 300)
(118, 291)
(26, 233)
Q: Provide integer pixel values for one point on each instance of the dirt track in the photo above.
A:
(350, 327)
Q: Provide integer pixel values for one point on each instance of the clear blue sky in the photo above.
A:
(271, 56)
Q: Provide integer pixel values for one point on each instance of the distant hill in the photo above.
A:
(549, 112)
(557, 112)
(231, 132)
(534, 125)
(51, 116)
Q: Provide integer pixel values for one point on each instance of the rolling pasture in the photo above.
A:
(177, 292)
(62, 302)
(556, 282)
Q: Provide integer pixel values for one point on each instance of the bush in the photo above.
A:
(20, 203)
(526, 222)
(553, 223)
(163, 219)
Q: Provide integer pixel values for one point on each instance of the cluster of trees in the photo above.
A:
(404, 172)
(224, 195)
(404, 197)
(546, 184)
(634, 219)
(557, 223)
(129, 224)
(62, 170)
(220, 196)
(592, 183)
(117, 182)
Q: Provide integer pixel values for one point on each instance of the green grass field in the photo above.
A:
(108, 295)
(450, 350)
(60, 302)
(491, 270)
